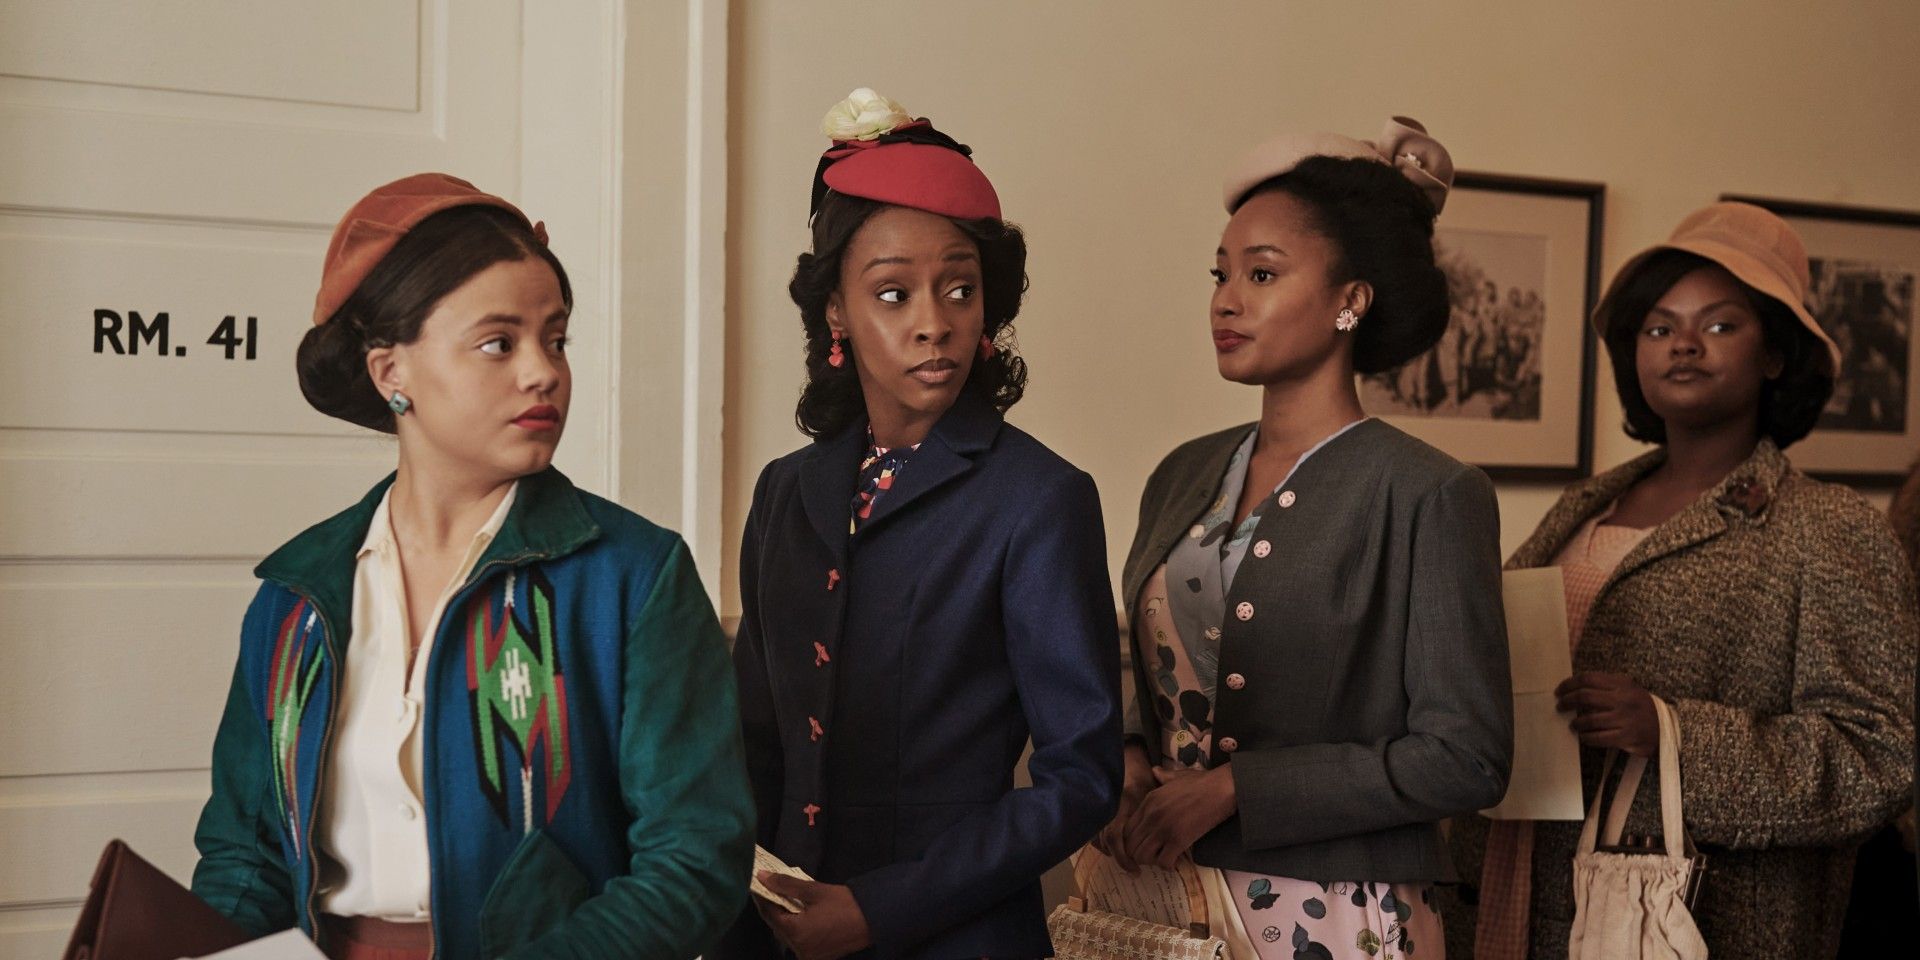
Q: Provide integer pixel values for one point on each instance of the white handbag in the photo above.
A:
(1632, 904)
(1161, 916)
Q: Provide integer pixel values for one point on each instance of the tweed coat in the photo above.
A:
(1776, 614)
(890, 680)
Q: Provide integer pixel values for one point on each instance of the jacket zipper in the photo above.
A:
(426, 710)
(320, 763)
(427, 778)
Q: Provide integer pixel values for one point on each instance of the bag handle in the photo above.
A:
(1672, 824)
(1671, 820)
(1090, 859)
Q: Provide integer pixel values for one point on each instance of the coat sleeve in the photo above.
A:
(1839, 763)
(749, 937)
(242, 870)
(1061, 639)
(691, 837)
(1458, 747)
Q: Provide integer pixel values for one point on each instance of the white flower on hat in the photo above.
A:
(863, 115)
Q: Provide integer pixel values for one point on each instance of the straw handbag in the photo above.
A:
(1165, 914)
(1632, 904)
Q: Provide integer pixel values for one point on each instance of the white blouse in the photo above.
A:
(373, 826)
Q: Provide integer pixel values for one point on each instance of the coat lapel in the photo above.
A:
(1199, 474)
(827, 478)
(1578, 503)
(966, 430)
(1742, 497)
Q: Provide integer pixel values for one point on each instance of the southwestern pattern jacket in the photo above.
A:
(1776, 614)
(584, 787)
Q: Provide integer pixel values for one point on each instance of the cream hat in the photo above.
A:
(1404, 144)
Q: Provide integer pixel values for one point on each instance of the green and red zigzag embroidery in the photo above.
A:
(295, 667)
(518, 694)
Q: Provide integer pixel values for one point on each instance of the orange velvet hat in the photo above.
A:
(372, 226)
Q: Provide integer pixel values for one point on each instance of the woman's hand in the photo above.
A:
(1610, 710)
(829, 925)
(1112, 839)
(1185, 805)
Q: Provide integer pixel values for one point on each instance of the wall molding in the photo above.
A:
(672, 277)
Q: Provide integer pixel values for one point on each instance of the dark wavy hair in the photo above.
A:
(1790, 404)
(832, 399)
(439, 254)
(1381, 226)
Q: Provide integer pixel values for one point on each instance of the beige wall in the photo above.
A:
(1105, 125)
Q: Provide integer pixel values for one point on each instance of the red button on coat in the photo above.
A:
(1229, 744)
(810, 809)
(1235, 681)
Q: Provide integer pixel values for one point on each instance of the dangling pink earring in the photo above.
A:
(835, 358)
(986, 348)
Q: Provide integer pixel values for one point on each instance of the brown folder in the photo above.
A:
(135, 912)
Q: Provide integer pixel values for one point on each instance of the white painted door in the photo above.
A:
(169, 173)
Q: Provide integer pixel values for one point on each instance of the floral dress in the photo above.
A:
(1177, 637)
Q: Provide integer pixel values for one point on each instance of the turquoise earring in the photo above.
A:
(399, 403)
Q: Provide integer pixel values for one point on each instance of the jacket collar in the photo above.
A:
(548, 519)
(1202, 480)
(1743, 498)
(832, 467)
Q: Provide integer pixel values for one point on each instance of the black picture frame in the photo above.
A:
(1852, 249)
(1540, 231)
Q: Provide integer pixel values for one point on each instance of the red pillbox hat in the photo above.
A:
(881, 153)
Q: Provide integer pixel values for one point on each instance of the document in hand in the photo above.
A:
(135, 912)
(1545, 784)
(763, 859)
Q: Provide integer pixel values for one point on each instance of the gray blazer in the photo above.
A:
(1373, 647)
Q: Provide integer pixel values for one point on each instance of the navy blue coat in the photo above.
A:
(890, 680)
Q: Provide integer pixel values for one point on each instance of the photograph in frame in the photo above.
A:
(1509, 387)
(1862, 264)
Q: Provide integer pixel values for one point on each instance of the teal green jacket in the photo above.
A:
(584, 787)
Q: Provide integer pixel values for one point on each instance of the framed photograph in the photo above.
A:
(1863, 263)
(1509, 388)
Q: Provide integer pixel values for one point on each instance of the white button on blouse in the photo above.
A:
(370, 826)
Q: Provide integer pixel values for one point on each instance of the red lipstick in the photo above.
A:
(540, 416)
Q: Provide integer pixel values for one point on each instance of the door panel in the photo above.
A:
(187, 160)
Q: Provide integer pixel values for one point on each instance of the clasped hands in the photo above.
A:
(1163, 812)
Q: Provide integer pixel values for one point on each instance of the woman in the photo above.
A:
(481, 712)
(923, 588)
(1774, 613)
(1317, 618)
